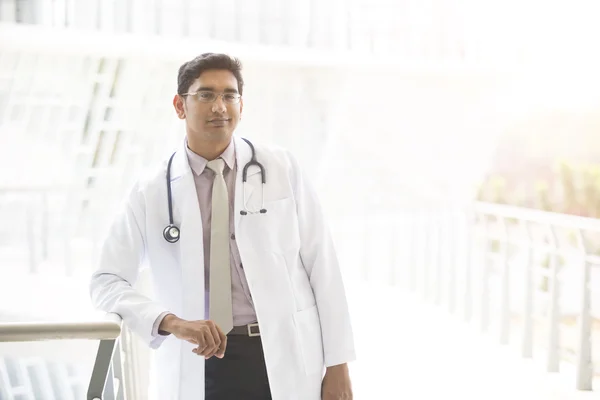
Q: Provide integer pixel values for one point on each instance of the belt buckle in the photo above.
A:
(252, 334)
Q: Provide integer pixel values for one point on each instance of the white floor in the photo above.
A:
(407, 350)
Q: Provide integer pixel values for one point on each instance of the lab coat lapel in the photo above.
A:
(186, 212)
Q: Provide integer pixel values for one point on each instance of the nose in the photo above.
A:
(219, 105)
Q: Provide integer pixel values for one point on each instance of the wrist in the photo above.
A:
(170, 324)
(338, 368)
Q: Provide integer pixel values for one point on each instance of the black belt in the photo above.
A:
(246, 330)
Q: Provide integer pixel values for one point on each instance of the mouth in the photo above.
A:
(219, 122)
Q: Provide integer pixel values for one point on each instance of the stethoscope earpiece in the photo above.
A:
(262, 211)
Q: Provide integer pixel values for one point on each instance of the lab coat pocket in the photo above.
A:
(308, 329)
(277, 229)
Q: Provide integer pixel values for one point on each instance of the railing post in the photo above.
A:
(430, 259)
(427, 257)
(129, 372)
(364, 273)
(413, 261)
(485, 298)
(109, 392)
(468, 298)
(402, 253)
(451, 237)
(584, 365)
(505, 282)
(554, 311)
(404, 239)
(437, 256)
(100, 373)
(397, 247)
(527, 340)
(117, 373)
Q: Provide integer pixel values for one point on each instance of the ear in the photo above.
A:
(241, 106)
(179, 104)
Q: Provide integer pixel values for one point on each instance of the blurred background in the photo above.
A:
(455, 146)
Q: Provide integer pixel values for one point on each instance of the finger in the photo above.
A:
(212, 342)
(214, 331)
(200, 349)
(223, 346)
(201, 343)
(209, 343)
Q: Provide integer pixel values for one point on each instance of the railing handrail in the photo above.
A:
(538, 216)
(107, 329)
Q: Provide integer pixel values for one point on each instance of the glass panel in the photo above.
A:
(47, 370)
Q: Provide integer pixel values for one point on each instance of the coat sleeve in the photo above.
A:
(321, 263)
(112, 283)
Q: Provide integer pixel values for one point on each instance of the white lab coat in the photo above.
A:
(288, 258)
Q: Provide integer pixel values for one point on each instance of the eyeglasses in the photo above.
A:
(206, 96)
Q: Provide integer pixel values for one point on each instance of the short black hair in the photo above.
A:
(191, 70)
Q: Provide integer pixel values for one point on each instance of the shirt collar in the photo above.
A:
(198, 163)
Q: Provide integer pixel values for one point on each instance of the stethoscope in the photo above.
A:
(172, 232)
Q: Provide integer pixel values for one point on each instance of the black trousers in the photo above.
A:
(241, 374)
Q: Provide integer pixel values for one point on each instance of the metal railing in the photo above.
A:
(507, 269)
(106, 381)
(564, 242)
(524, 277)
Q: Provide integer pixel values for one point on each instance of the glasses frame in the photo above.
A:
(238, 96)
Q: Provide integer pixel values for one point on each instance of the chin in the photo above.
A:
(212, 133)
(219, 134)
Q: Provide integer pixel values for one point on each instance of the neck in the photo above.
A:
(208, 149)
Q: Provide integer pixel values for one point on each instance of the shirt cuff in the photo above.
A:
(155, 331)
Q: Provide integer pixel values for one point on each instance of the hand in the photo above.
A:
(336, 383)
(207, 335)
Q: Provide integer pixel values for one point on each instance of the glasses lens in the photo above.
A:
(206, 96)
(231, 98)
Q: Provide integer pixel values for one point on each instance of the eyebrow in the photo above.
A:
(211, 89)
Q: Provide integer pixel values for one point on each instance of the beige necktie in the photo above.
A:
(220, 309)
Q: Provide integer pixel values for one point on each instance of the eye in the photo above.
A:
(230, 97)
(205, 95)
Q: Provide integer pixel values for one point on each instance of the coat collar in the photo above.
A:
(199, 163)
(243, 154)
(182, 182)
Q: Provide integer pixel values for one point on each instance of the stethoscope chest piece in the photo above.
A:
(171, 233)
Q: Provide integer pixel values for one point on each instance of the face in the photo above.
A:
(210, 121)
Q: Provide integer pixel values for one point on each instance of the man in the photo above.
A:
(249, 302)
